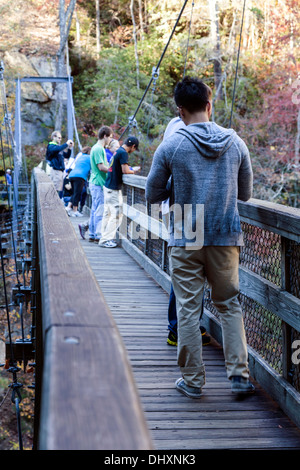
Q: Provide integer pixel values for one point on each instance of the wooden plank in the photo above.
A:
(86, 383)
(151, 268)
(277, 218)
(226, 444)
(272, 297)
(62, 265)
(89, 398)
(231, 433)
(135, 180)
(220, 423)
(173, 419)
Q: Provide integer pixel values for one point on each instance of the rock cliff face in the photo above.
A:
(38, 100)
(29, 33)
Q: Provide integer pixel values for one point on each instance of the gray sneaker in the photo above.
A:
(241, 385)
(83, 228)
(191, 392)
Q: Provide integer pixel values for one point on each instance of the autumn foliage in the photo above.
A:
(207, 42)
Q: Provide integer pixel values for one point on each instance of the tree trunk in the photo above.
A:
(146, 15)
(141, 20)
(78, 43)
(135, 45)
(216, 42)
(65, 19)
(117, 106)
(297, 144)
(265, 35)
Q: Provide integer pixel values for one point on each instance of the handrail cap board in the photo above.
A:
(64, 268)
(268, 214)
(284, 220)
(89, 398)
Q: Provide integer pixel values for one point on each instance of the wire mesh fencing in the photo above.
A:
(270, 256)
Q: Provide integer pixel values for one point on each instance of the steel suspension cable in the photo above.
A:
(15, 386)
(6, 298)
(9, 210)
(157, 67)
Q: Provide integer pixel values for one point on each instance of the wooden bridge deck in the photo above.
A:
(218, 420)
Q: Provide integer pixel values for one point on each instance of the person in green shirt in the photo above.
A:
(99, 169)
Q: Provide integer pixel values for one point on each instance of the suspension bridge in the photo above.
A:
(104, 374)
(93, 322)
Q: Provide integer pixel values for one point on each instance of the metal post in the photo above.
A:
(69, 112)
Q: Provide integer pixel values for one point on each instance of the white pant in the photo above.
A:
(113, 213)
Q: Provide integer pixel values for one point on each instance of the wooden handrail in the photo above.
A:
(280, 219)
(276, 297)
(89, 399)
(274, 217)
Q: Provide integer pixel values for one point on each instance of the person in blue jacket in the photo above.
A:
(78, 177)
(55, 156)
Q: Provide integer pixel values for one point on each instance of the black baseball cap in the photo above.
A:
(132, 140)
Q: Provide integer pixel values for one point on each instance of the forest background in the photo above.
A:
(112, 46)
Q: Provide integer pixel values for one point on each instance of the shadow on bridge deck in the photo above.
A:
(218, 420)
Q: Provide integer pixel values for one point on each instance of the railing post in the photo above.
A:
(286, 328)
(10, 195)
(132, 203)
(148, 212)
(163, 256)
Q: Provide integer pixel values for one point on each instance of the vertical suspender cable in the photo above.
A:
(71, 96)
(188, 41)
(15, 386)
(157, 67)
(237, 64)
(13, 214)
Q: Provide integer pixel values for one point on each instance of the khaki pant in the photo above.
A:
(113, 212)
(57, 178)
(220, 266)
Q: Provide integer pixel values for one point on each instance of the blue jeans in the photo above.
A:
(96, 211)
(172, 312)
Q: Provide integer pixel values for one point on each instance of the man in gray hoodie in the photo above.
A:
(210, 170)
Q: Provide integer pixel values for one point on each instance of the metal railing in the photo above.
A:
(7, 194)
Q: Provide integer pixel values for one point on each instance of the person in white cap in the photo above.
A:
(8, 176)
